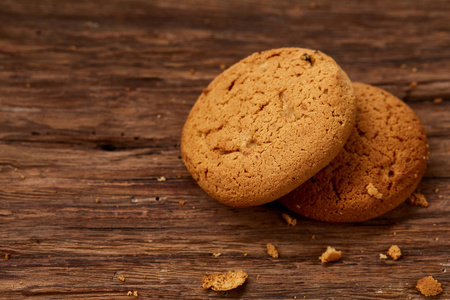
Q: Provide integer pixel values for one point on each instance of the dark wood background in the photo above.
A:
(93, 97)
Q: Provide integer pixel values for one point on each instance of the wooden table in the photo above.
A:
(93, 97)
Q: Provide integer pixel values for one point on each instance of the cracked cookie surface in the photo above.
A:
(381, 164)
(267, 124)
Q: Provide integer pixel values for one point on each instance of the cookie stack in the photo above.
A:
(289, 124)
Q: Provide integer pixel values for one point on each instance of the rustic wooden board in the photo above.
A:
(93, 97)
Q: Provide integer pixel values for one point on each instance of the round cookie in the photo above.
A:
(381, 164)
(267, 124)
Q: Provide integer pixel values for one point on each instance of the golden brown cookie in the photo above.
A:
(381, 164)
(267, 124)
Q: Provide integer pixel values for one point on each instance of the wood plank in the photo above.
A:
(93, 99)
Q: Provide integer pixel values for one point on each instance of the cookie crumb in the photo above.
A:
(362, 251)
(440, 196)
(414, 70)
(289, 220)
(73, 48)
(258, 276)
(28, 85)
(20, 282)
(245, 254)
(437, 100)
(193, 207)
(413, 84)
(223, 66)
(383, 256)
(372, 191)
(224, 281)
(417, 199)
(121, 278)
(135, 293)
(192, 71)
(434, 224)
(6, 256)
(429, 286)
(394, 252)
(130, 293)
(436, 190)
(158, 116)
(162, 178)
(330, 255)
(216, 254)
(272, 251)
(394, 233)
(145, 277)
(313, 237)
(436, 239)
(97, 201)
(182, 202)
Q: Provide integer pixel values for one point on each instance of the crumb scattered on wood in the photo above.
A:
(436, 239)
(6, 256)
(158, 116)
(373, 191)
(438, 100)
(313, 237)
(121, 278)
(289, 220)
(362, 251)
(383, 256)
(28, 85)
(217, 254)
(162, 178)
(429, 286)
(182, 202)
(192, 71)
(193, 207)
(414, 70)
(330, 255)
(20, 282)
(97, 201)
(440, 196)
(73, 48)
(417, 199)
(245, 254)
(224, 281)
(394, 252)
(394, 233)
(272, 251)
(223, 66)
(413, 84)
(132, 293)
(144, 277)
(436, 190)
(258, 276)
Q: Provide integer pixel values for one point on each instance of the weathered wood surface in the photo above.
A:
(93, 97)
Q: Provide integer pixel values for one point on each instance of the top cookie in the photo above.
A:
(267, 124)
(380, 166)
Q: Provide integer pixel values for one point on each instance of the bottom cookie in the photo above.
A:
(381, 164)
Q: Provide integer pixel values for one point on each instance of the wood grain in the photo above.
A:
(93, 97)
